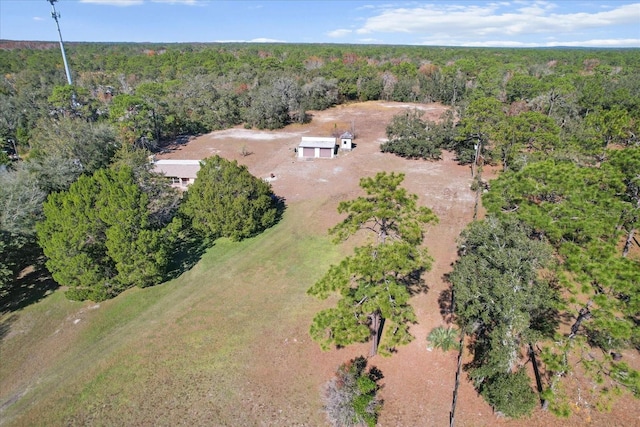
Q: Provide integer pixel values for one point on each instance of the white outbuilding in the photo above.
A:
(317, 148)
(346, 141)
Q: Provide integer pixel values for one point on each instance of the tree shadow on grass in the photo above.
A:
(29, 288)
(188, 251)
(32, 284)
(280, 204)
(191, 246)
(5, 325)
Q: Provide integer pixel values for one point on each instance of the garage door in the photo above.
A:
(325, 152)
(308, 152)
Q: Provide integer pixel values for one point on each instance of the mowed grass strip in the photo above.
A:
(187, 351)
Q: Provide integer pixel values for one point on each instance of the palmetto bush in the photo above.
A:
(443, 338)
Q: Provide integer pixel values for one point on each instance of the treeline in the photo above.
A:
(154, 92)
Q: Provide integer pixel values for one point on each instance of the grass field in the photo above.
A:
(190, 351)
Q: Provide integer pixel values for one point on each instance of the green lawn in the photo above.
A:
(192, 350)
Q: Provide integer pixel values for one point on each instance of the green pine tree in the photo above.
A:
(374, 283)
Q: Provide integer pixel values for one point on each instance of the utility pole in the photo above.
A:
(55, 15)
(478, 175)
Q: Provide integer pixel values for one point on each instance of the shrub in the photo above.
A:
(444, 338)
(351, 396)
(510, 393)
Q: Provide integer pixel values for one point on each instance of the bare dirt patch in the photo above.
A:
(418, 383)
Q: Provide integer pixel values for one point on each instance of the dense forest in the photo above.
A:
(558, 240)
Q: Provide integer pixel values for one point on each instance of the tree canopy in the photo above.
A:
(412, 137)
(97, 236)
(504, 302)
(227, 201)
(351, 397)
(583, 212)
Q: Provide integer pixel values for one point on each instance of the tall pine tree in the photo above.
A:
(375, 282)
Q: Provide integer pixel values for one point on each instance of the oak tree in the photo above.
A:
(504, 302)
(410, 136)
(351, 396)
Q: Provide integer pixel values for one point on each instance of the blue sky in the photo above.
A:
(613, 23)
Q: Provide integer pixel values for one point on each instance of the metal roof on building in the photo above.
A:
(177, 168)
(317, 142)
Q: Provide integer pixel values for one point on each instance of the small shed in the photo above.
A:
(346, 141)
(317, 148)
(182, 173)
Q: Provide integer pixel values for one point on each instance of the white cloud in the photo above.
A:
(483, 20)
(339, 33)
(600, 43)
(38, 18)
(534, 8)
(266, 40)
(366, 6)
(370, 41)
(510, 43)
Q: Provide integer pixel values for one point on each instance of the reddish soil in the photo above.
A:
(418, 383)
